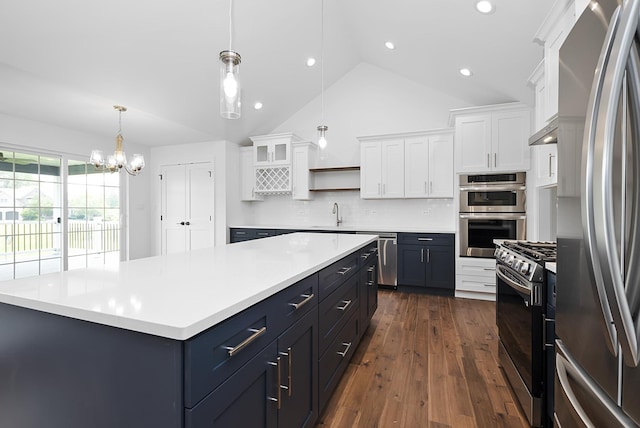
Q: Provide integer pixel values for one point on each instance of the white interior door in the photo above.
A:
(187, 207)
(200, 206)
(174, 209)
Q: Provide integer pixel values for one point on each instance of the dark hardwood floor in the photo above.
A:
(425, 361)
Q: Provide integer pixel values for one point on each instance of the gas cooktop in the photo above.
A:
(537, 251)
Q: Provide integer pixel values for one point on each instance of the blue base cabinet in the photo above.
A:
(427, 261)
(273, 365)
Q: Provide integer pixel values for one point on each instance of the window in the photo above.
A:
(93, 220)
(30, 198)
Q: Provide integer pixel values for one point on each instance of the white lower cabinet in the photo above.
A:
(475, 278)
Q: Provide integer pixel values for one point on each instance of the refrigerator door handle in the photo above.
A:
(567, 368)
(608, 252)
(587, 178)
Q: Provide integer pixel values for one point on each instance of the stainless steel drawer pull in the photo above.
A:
(348, 346)
(256, 334)
(307, 299)
(344, 270)
(346, 305)
(240, 233)
(425, 239)
(491, 269)
(489, 285)
(371, 269)
(278, 399)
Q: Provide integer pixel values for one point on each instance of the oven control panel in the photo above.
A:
(520, 264)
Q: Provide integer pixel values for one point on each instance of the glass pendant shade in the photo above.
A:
(230, 91)
(322, 136)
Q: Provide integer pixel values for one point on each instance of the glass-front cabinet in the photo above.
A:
(274, 149)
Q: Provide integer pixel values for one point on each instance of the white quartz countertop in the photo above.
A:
(551, 266)
(351, 228)
(180, 295)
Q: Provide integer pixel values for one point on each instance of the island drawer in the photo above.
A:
(292, 303)
(210, 357)
(333, 363)
(332, 276)
(426, 238)
(368, 253)
(215, 354)
(335, 310)
(240, 235)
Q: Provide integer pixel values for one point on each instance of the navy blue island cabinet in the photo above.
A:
(427, 261)
(272, 365)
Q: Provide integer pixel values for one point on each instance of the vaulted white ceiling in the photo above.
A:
(66, 62)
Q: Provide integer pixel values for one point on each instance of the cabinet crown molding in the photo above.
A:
(559, 8)
(440, 131)
(293, 137)
(485, 109)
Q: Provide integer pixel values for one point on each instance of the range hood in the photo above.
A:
(547, 135)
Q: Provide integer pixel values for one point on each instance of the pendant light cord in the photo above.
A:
(322, 61)
(230, 24)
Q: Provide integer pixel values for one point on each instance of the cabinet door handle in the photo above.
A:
(488, 161)
(379, 194)
(421, 255)
(290, 376)
(288, 386)
(307, 299)
(495, 160)
(346, 305)
(277, 399)
(232, 350)
(431, 187)
(550, 170)
(425, 187)
(344, 270)
(425, 239)
(348, 346)
(384, 188)
(428, 255)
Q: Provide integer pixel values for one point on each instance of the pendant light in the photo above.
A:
(322, 129)
(229, 77)
(118, 160)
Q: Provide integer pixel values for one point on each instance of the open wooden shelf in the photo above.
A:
(335, 169)
(336, 190)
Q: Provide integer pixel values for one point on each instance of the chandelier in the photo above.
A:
(118, 160)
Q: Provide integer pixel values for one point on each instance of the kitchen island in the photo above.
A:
(170, 341)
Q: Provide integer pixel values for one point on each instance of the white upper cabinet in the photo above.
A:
(248, 176)
(410, 165)
(273, 149)
(428, 166)
(382, 169)
(546, 165)
(303, 157)
(492, 138)
(552, 34)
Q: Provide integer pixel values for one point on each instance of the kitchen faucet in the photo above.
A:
(336, 212)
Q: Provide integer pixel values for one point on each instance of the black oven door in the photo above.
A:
(520, 327)
(477, 232)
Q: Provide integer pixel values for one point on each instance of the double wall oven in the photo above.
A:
(492, 206)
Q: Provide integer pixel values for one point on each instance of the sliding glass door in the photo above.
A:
(93, 220)
(30, 215)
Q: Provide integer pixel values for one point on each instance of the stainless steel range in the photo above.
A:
(521, 316)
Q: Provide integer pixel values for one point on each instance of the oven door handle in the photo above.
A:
(504, 216)
(504, 188)
(511, 283)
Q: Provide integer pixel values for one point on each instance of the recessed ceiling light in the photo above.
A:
(311, 62)
(390, 45)
(465, 72)
(485, 6)
(257, 105)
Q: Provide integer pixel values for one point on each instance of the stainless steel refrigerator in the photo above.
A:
(597, 379)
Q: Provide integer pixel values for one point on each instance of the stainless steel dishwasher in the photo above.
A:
(387, 258)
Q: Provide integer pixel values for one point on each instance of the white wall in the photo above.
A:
(226, 159)
(366, 101)
(18, 133)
